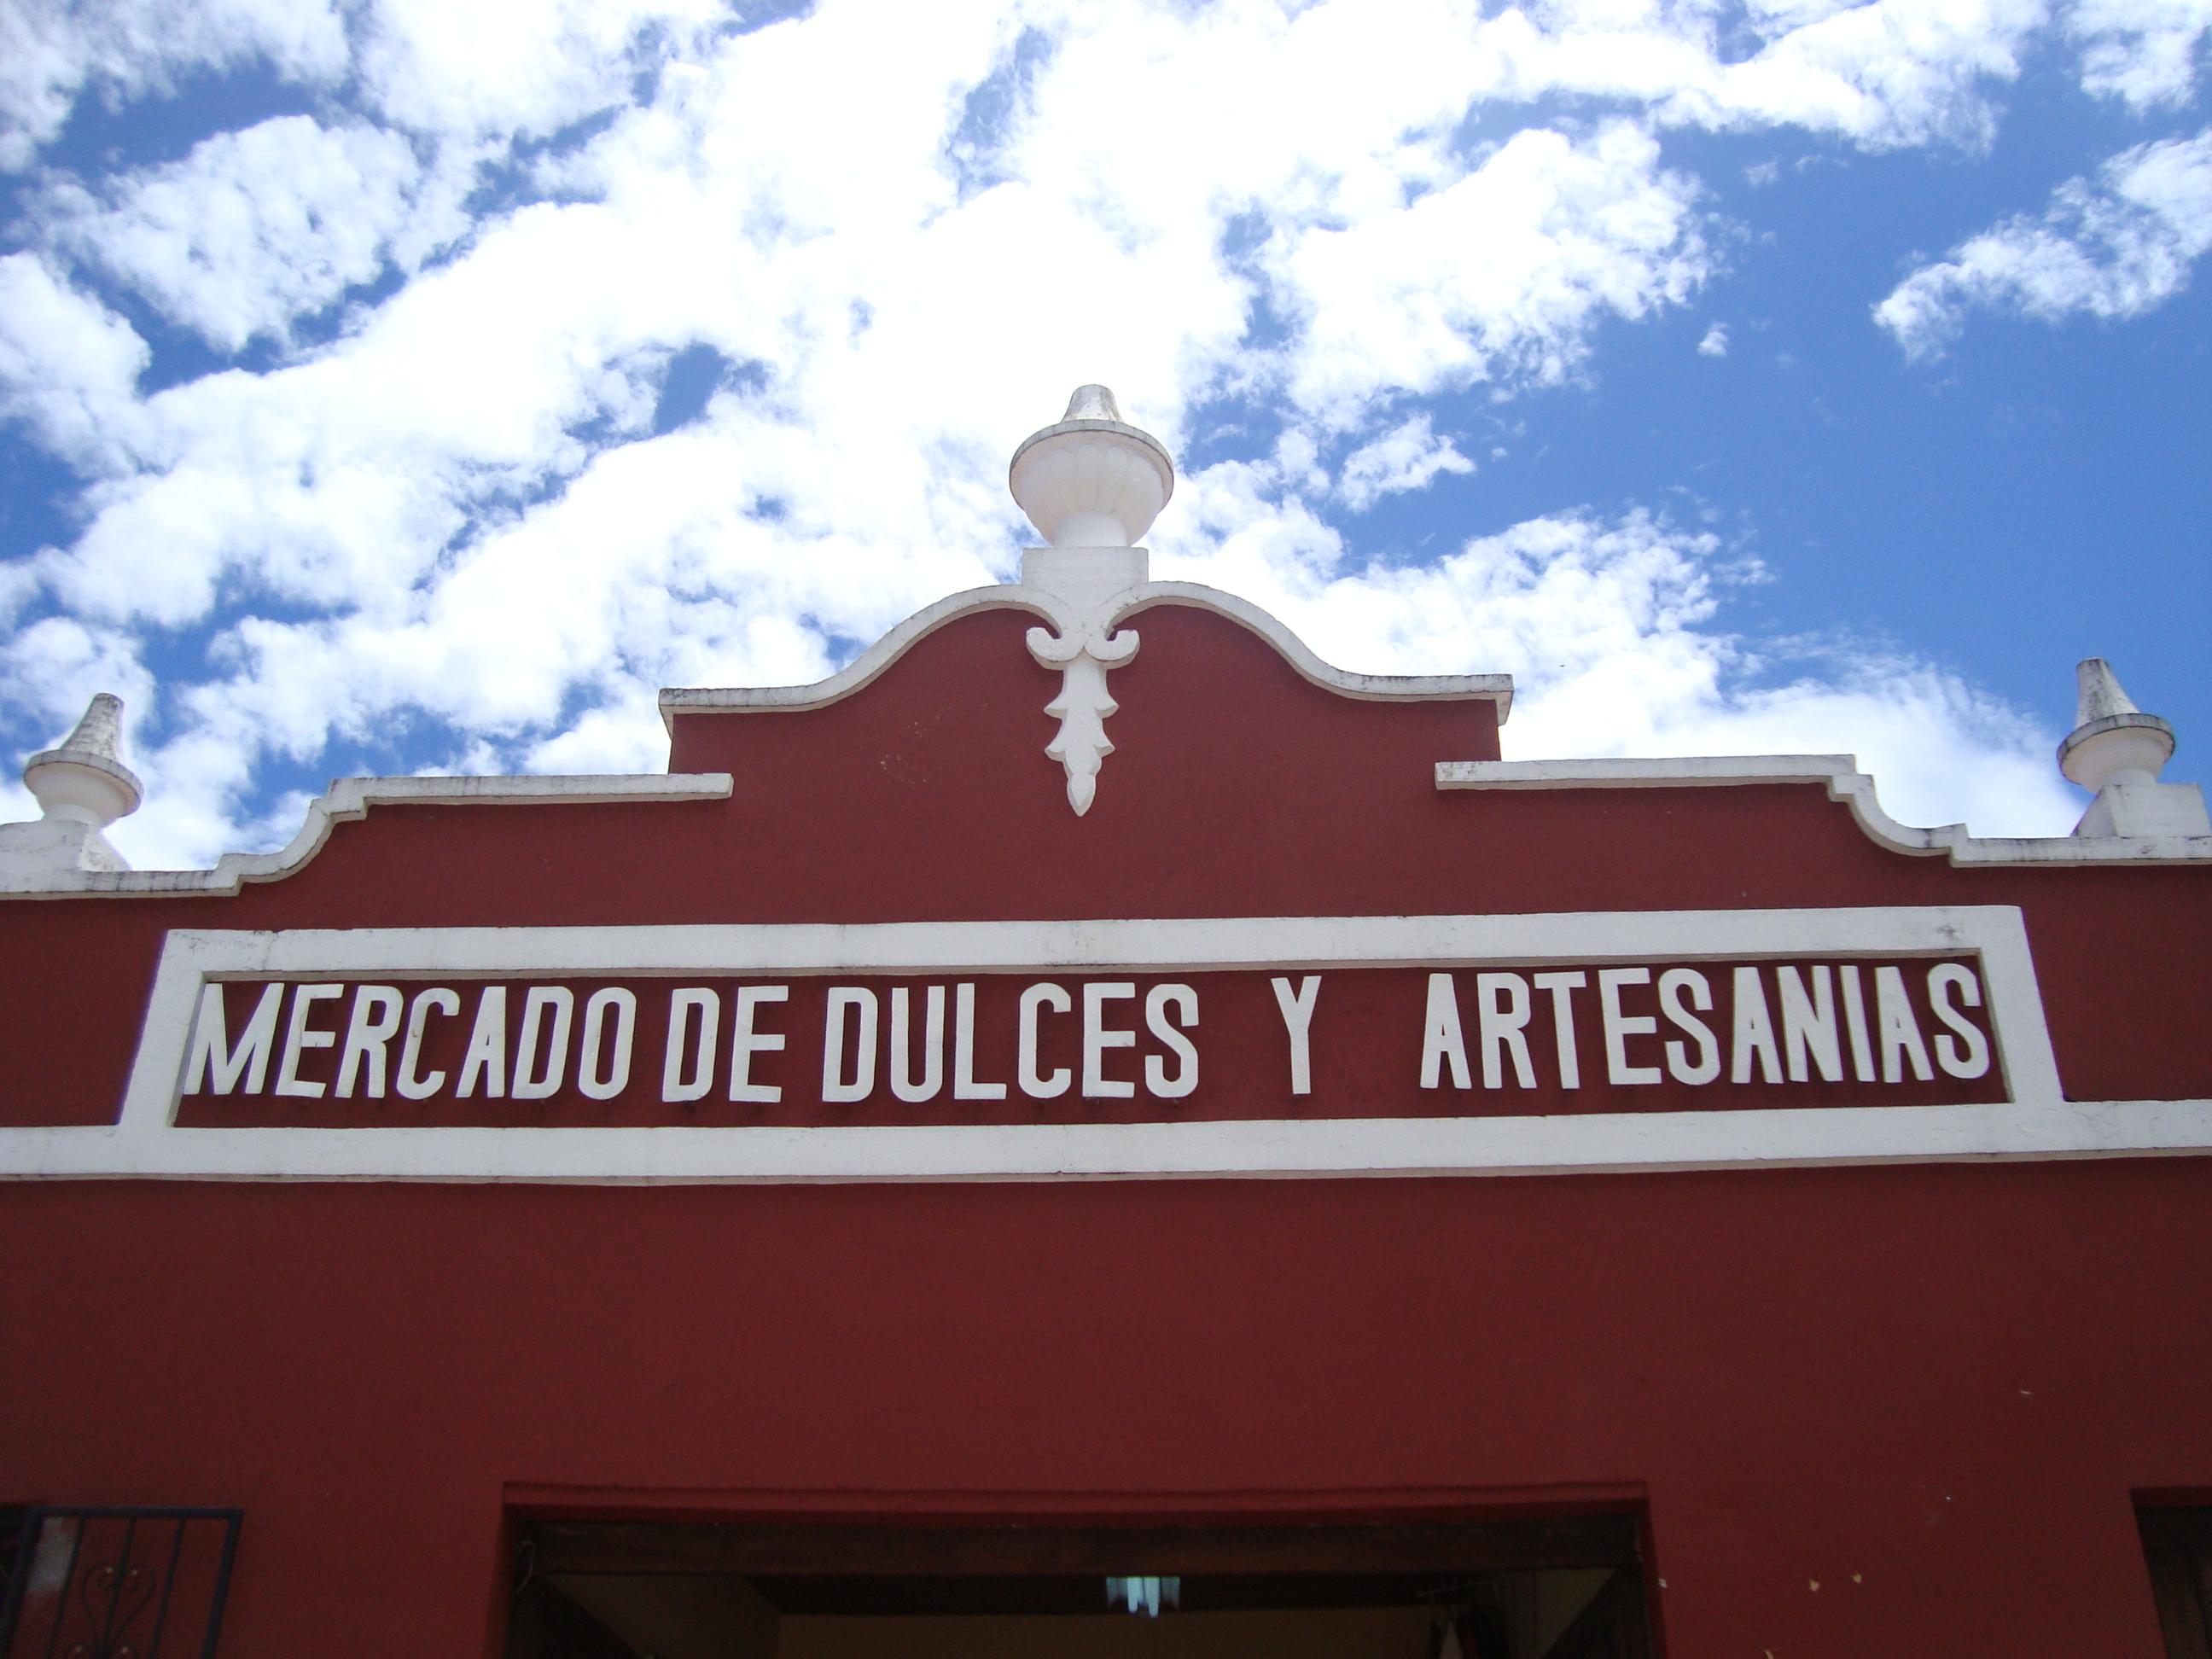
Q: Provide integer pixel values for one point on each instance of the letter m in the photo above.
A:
(212, 1048)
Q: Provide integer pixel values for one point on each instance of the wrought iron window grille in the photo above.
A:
(116, 1583)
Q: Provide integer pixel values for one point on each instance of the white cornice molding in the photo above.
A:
(351, 797)
(1496, 689)
(1595, 1144)
(1840, 775)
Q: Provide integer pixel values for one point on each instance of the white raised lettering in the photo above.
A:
(1900, 1027)
(529, 1083)
(903, 1083)
(1755, 1031)
(1619, 1027)
(1098, 1038)
(367, 1038)
(964, 1085)
(1055, 1082)
(1558, 986)
(1674, 985)
(1808, 1024)
(1441, 1042)
(299, 1036)
(862, 1003)
(1854, 1022)
(1964, 1052)
(594, 1083)
(487, 1054)
(249, 1061)
(1297, 1011)
(746, 1040)
(690, 1005)
(411, 1084)
(1158, 1080)
(1501, 1002)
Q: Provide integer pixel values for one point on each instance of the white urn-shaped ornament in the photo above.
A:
(81, 787)
(2116, 752)
(1092, 479)
(2113, 740)
(83, 779)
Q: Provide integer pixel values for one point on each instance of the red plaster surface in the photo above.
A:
(1929, 1389)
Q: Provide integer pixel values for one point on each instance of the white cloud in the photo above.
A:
(67, 365)
(253, 228)
(1409, 456)
(518, 66)
(1715, 342)
(2113, 246)
(455, 516)
(52, 52)
(1606, 627)
(1881, 74)
(1502, 274)
(2141, 51)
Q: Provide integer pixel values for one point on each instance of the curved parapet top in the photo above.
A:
(1496, 689)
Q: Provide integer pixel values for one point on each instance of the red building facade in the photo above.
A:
(849, 1190)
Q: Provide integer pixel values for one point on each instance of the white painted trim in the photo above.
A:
(2035, 1123)
(1014, 596)
(1611, 1143)
(1840, 775)
(351, 797)
(863, 668)
(1496, 689)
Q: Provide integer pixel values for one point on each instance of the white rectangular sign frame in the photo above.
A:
(2034, 1120)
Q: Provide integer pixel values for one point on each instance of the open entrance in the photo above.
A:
(1548, 1587)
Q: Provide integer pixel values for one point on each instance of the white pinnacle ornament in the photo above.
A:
(1091, 483)
(2117, 750)
(81, 787)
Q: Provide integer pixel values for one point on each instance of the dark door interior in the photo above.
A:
(1540, 1587)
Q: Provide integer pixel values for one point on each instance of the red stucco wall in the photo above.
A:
(1932, 1390)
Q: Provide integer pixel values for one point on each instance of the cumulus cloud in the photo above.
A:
(67, 365)
(1608, 627)
(520, 66)
(2141, 51)
(1410, 456)
(2113, 247)
(251, 230)
(53, 51)
(1716, 342)
(1501, 274)
(903, 232)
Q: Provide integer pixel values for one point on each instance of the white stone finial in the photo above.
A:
(2117, 750)
(81, 787)
(84, 781)
(1092, 479)
(2113, 741)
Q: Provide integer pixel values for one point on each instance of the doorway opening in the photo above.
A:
(1540, 1588)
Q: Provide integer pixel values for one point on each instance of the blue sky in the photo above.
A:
(407, 385)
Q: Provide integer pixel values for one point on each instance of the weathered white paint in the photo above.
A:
(1844, 782)
(2036, 1122)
